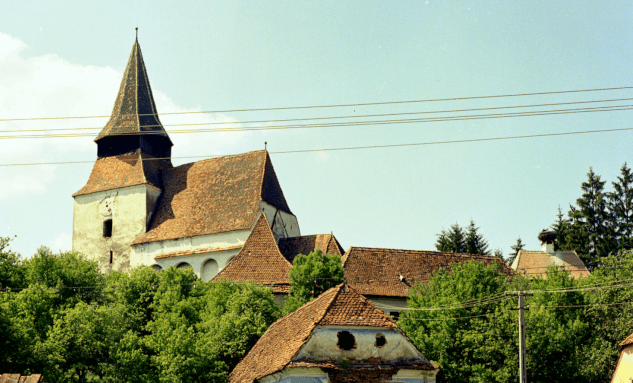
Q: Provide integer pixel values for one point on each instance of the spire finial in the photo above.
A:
(136, 33)
(265, 145)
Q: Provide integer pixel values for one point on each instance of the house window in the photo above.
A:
(346, 340)
(107, 228)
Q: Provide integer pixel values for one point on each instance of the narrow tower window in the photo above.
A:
(107, 228)
(111, 256)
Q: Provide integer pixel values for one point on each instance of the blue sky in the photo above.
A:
(67, 58)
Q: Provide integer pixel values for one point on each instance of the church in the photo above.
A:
(226, 217)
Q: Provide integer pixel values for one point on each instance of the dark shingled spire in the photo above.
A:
(134, 124)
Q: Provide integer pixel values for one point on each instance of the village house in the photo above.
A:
(536, 263)
(338, 337)
(624, 369)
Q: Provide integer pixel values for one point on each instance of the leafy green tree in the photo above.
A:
(76, 277)
(11, 272)
(518, 246)
(451, 241)
(310, 276)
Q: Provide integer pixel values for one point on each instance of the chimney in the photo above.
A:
(547, 240)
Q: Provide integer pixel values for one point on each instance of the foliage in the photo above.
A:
(480, 343)
(310, 276)
(515, 251)
(462, 240)
(11, 274)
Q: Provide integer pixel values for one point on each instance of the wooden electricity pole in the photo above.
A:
(521, 308)
(522, 373)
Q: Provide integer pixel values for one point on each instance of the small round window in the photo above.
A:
(346, 340)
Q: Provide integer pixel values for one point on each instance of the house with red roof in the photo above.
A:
(624, 369)
(339, 336)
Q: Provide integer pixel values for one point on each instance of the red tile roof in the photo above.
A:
(536, 263)
(122, 171)
(293, 246)
(214, 196)
(259, 260)
(339, 306)
(373, 271)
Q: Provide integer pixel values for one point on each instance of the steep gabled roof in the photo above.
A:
(536, 263)
(17, 378)
(134, 109)
(259, 260)
(373, 271)
(293, 246)
(214, 196)
(125, 170)
(339, 306)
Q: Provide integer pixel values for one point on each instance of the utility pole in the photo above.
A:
(522, 372)
(521, 308)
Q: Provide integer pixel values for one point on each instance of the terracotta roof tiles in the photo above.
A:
(214, 196)
(627, 341)
(17, 378)
(374, 271)
(197, 251)
(341, 305)
(536, 263)
(259, 260)
(122, 171)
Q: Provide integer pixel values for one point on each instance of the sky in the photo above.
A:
(66, 59)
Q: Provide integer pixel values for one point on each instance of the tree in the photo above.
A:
(589, 232)
(11, 272)
(451, 241)
(475, 242)
(515, 251)
(460, 240)
(310, 276)
(561, 228)
(620, 204)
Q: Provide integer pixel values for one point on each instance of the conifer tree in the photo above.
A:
(620, 204)
(515, 251)
(451, 241)
(589, 233)
(561, 227)
(475, 242)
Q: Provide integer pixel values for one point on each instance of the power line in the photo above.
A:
(344, 124)
(341, 105)
(337, 117)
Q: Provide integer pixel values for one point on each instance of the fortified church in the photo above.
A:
(225, 217)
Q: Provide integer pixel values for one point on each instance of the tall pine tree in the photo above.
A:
(462, 240)
(589, 232)
(475, 242)
(620, 203)
(515, 251)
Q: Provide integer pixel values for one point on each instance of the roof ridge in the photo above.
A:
(469, 255)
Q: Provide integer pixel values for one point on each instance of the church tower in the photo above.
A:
(133, 150)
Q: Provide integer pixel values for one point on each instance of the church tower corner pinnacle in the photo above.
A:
(134, 125)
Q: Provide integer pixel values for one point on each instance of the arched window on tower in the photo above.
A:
(107, 228)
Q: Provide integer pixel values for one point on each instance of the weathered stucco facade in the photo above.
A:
(127, 209)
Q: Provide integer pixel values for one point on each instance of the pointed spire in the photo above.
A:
(134, 123)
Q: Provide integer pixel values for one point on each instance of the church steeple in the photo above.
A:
(134, 124)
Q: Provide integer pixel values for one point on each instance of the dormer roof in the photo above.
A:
(134, 110)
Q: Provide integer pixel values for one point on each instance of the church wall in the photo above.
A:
(222, 247)
(127, 207)
(388, 304)
(214, 261)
